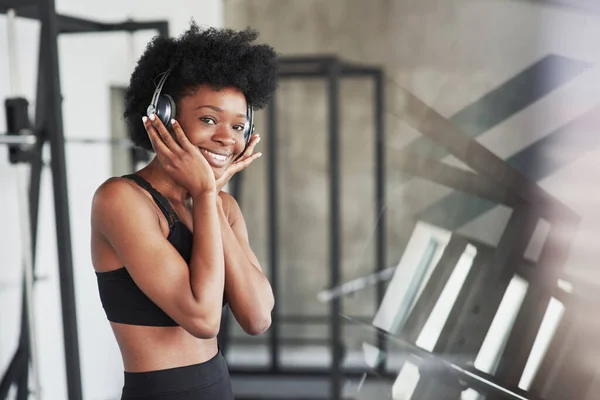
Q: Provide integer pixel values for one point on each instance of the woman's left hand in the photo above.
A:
(247, 157)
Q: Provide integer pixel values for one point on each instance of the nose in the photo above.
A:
(225, 136)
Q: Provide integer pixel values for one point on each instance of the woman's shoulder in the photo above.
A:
(114, 189)
(117, 193)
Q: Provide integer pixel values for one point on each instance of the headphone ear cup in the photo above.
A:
(250, 133)
(166, 109)
(173, 107)
(249, 128)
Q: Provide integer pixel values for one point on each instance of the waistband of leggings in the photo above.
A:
(175, 379)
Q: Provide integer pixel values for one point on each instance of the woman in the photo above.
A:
(162, 287)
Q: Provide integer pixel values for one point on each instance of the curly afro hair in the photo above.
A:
(219, 57)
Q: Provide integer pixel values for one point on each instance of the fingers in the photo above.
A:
(158, 144)
(164, 134)
(244, 163)
(239, 165)
(253, 142)
(248, 156)
(181, 137)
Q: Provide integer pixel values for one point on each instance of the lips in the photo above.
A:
(216, 159)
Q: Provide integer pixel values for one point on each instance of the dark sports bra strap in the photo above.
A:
(159, 199)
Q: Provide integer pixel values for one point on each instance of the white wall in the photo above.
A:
(89, 65)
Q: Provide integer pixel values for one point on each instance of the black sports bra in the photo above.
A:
(121, 298)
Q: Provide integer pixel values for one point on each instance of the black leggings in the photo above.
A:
(208, 380)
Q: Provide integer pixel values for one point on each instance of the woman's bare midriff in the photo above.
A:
(151, 348)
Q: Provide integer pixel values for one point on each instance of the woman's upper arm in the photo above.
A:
(127, 220)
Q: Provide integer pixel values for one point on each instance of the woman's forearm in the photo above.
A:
(248, 291)
(207, 264)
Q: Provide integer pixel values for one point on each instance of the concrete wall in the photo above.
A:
(519, 76)
(89, 65)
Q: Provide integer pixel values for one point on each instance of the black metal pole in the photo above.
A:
(23, 381)
(37, 164)
(380, 215)
(18, 371)
(14, 370)
(163, 28)
(334, 228)
(273, 227)
(61, 201)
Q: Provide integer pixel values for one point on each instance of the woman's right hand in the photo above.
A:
(180, 158)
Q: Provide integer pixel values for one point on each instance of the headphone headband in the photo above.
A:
(164, 107)
(153, 104)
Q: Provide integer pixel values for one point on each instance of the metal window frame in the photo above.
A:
(333, 69)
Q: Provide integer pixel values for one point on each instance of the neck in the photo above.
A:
(161, 181)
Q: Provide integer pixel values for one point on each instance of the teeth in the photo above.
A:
(217, 157)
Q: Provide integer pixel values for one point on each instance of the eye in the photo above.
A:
(239, 128)
(208, 120)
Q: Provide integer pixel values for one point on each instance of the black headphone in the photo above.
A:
(164, 107)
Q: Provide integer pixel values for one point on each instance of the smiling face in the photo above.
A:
(214, 121)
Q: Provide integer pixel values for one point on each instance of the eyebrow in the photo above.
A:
(217, 109)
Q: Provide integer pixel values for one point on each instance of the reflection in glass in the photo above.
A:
(552, 318)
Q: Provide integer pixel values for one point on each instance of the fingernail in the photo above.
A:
(152, 117)
(173, 121)
(144, 119)
(259, 155)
